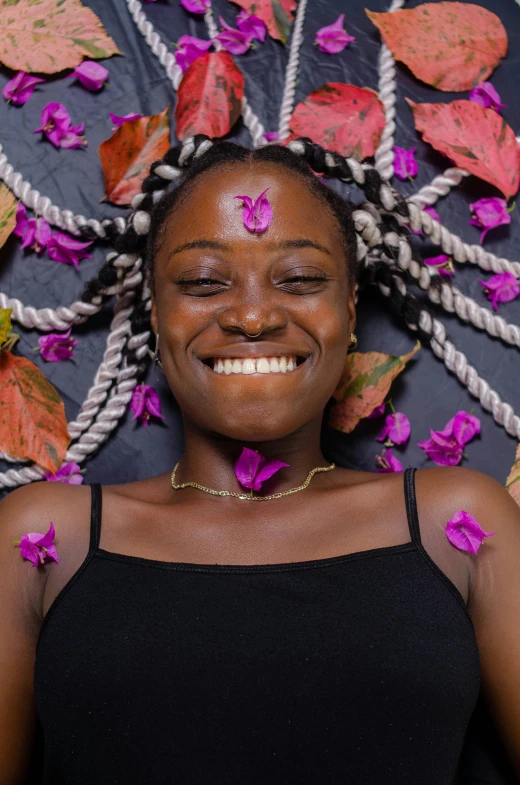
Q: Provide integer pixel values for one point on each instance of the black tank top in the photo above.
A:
(361, 669)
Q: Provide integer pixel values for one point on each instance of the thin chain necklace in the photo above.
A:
(246, 496)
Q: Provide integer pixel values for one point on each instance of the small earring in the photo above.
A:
(353, 340)
(156, 359)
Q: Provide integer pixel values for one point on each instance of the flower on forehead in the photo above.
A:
(188, 49)
(251, 25)
(432, 213)
(20, 88)
(443, 263)
(56, 347)
(252, 469)
(488, 213)
(486, 95)
(405, 165)
(388, 462)
(445, 447)
(118, 120)
(69, 473)
(333, 38)
(501, 288)
(465, 532)
(145, 403)
(256, 215)
(90, 74)
(37, 547)
(396, 428)
(55, 124)
(67, 250)
(196, 6)
(234, 41)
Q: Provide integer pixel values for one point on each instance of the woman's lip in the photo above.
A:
(255, 374)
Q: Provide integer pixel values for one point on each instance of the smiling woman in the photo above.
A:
(331, 634)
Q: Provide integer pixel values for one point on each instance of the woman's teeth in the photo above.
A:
(256, 365)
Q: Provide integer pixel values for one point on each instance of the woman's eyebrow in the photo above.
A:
(213, 245)
(301, 243)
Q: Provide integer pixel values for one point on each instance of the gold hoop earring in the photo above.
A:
(353, 341)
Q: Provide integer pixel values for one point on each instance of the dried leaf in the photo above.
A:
(364, 385)
(8, 206)
(128, 153)
(5, 324)
(32, 416)
(341, 117)
(451, 46)
(513, 481)
(476, 138)
(209, 98)
(277, 15)
(47, 36)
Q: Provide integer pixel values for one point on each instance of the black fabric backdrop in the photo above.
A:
(426, 392)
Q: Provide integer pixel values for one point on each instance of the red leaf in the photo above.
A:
(341, 117)
(277, 14)
(477, 139)
(452, 46)
(209, 98)
(127, 154)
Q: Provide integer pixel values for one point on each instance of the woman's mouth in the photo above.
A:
(254, 365)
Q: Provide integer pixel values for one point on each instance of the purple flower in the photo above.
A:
(251, 25)
(501, 288)
(388, 462)
(396, 428)
(488, 213)
(486, 95)
(256, 215)
(377, 411)
(443, 264)
(69, 473)
(72, 137)
(55, 124)
(432, 213)
(405, 165)
(252, 469)
(37, 547)
(445, 447)
(118, 120)
(20, 88)
(272, 136)
(465, 532)
(91, 75)
(145, 403)
(56, 347)
(188, 49)
(234, 41)
(196, 6)
(36, 235)
(64, 249)
(21, 220)
(333, 38)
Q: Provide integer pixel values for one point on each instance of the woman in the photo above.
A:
(330, 633)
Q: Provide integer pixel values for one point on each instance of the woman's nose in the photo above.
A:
(253, 317)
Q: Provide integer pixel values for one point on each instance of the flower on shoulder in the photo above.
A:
(465, 532)
(38, 547)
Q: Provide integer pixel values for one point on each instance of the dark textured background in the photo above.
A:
(426, 392)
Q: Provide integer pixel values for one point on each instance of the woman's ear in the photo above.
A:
(351, 310)
(153, 315)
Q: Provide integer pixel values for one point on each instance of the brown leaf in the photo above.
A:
(451, 46)
(364, 385)
(8, 207)
(513, 481)
(277, 15)
(128, 153)
(33, 425)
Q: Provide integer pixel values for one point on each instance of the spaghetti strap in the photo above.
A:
(411, 505)
(95, 517)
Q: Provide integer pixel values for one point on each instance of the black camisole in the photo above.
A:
(361, 669)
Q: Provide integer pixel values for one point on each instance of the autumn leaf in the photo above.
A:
(277, 14)
(126, 156)
(475, 138)
(364, 385)
(513, 480)
(209, 99)
(8, 207)
(451, 46)
(50, 35)
(5, 324)
(341, 117)
(33, 425)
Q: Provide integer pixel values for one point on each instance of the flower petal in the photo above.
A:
(266, 471)
(465, 427)
(247, 466)
(465, 532)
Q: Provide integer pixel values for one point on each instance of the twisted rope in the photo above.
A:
(441, 185)
(291, 73)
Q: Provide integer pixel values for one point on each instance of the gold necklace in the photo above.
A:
(245, 495)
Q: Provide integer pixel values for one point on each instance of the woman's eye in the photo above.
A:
(304, 282)
(206, 285)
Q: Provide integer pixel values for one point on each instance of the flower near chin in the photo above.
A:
(118, 120)
(20, 88)
(405, 165)
(90, 74)
(37, 547)
(66, 250)
(465, 532)
(442, 263)
(333, 38)
(196, 6)
(145, 403)
(234, 41)
(257, 214)
(56, 347)
(445, 447)
(488, 213)
(251, 25)
(252, 469)
(388, 462)
(188, 49)
(55, 124)
(69, 473)
(486, 95)
(396, 429)
(501, 288)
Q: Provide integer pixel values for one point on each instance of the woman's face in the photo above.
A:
(215, 281)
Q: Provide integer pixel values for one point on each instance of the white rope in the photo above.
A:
(291, 73)
(439, 186)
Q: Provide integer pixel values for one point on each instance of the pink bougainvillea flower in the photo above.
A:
(69, 473)
(118, 120)
(501, 288)
(272, 136)
(188, 49)
(396, 428)
(252, 469)
(37, 234)
(92, 75)
(196, 6)
(145, 403)
(21, 220)
(377, 412)
(234, 41)
(55, 124)
(465, 532)
(445, 447)
(251, 25)
(67, 250)
(256, 215)
(333, 38)
(56, 347)
(486, 95)
(20, 88)
(405, 165)
(432, 213)
(442, 263)
(73, 138)
(488, 213)
(37, 547)
(388, 462)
